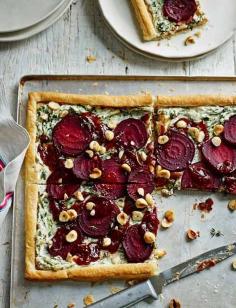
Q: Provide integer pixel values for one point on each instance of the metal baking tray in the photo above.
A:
(211, 288)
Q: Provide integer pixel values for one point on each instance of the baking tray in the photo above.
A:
(211, 288)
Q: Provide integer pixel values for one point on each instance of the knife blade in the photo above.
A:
(153, 287)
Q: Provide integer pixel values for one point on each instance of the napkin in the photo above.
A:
(14, 141)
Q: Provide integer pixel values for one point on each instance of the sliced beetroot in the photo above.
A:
(71, 135)
(62, 175)
(130, 158)
(132, 189)
(150, 222)
(56, 208)
(116, 237)
(100, 224)
(95, 124)
(197, 176)
(177, 153)
(230, 130)
(60, 247)
(86, 253)
(179, 11)
(221, 158)
(141, 176)
(61, 192)
(48, 155)
(84, 165)
(129, 206)
(136, 250)
(112, 172)
(230, 184)
(161, 182)
(111, 191)
(131, 133)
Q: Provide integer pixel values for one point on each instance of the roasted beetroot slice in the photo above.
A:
(230, 185)
(132, 189)
(97, 127)
(111, 191)
(130, 158)
(112, 172)
(136, 250)
(150, 222)
(221, 158)
(129, 206)
(131, 133)
(84, 165)
(59, 192)
(56, 208)
(179, 10)
(71, 135)
(177, 153)
(197, 176)
(86, 253)
(100, 224)
(48, 155)
(141, 176)
(63, 176)
(116, 237)
(230, 130)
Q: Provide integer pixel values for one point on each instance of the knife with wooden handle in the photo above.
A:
(153, 287)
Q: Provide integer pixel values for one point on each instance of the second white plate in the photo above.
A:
(220, 28)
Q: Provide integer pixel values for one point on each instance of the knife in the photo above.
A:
(153, 287)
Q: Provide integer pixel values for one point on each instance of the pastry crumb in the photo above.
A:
(71, 305)
(88, 299)
(198, 34)
(115, 290)
(189, 41)
(174, 303)
(91, 59)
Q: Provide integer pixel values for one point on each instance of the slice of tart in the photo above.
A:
(160, 19)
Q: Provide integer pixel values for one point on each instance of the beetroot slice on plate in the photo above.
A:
(230, 184)
(129, 206)
(84, 165)
(95, 124)
(141, 176)
(221, 158)
(197, 176)
(150, 222)
(100, 224)
(60, 192)
(71, 135)
(116, 237)
(179, 10)
(86, 253)
(177, 153)
(136, 250)
(230, 130)
(131, 133)
(132, 189)
(111, 191)
(112, 172)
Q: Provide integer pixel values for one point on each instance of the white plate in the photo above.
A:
(16, 15)
(28, 32)
(220, 28)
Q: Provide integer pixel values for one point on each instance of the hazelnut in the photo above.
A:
(163, 139)
(181, 124)
(65, 196)
(166, 193)
(193, 132)
(141, 203)
(149, 237)
(44, 116)
(69, 163)
(106, 242)
(200, 136)
(169, 215)
(72, 214)
(143, 156)
(232, 205)
(53, 105)
(112, 124)
(64, 216)
(102, 150)
(165, 223)
(94, 145)
(234, 265)
(189, 40)
(126, 167)
(159, 253)
(164, 174)
(121, 153)
(92, 213)
(216, 141)
(141, 191)
(122, 218)
(218, 129)
(64, 113)
(109, 135)
(96, 173)
(71, 236)
(137, 216)
(149, 200)
(78, 194)
(90, 153)
(70, 258)
(89, 206)
(174, 303)
(192, 235)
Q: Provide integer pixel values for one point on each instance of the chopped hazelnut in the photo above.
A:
(64, 216)
(164, 174)
(163, 139)
(141, 191)
(78, 194)
(192, 235)
(96, 173)
(126, 167)
(165, 223)
(149, 200)
(106, 242)
(109, 135)
(141, 203)
(94, 145)
(69, 163)
(64, 113)
(181, 124)
(232, 205)
(174, 303)
(200, 136)
(121, 153)
(189, 40)
(53, 105)
(166, 193)
(218, 129)
(92, 213)
(193, 132)
(149, 237)
(88, 299)
(234, 265)
(90, 205)
(216, 141)
(71, 236)
(72, 214)
(169, 215)
(122, 218)
(137, 216)
(90, 153)
(159, 253)
(143, 156)
(112, 124)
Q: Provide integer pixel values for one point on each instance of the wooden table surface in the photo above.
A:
(63, 49)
